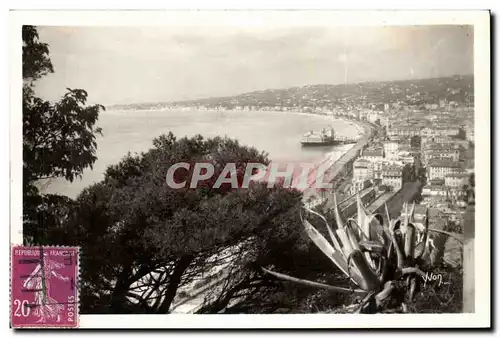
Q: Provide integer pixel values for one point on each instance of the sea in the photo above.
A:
(277, 133)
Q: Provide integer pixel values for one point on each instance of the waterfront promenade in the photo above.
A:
(196, 299)
(312, 195)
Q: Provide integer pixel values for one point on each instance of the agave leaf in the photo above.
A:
(362, 217)
(413, 287)
(412, 270)
(337, 258)
(450, 234)
(392, 225)
(377, 230)
(346, 243)
(313, 284)
(354, 225)
(383, 295)
(419, 249)
(396, 225)
(380, 219)
(428, 248)
(387, 264)
(372, 246)
(382, 230)
(438, 248)
(387, 215)
(398, 246)
(361, 233)
(365, 303)
(368, 257)
(419, 226)
(369, 222)
(410, 241)
(330, 231)
(425, 233)
(405, 219)
(352, 238)
(338, 219)
(370, 279)
(370, 261)
(348, 249)
(412, 211)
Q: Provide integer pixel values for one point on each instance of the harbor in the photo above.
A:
(337, 167)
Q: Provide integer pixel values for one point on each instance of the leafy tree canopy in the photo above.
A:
(36, 60)
(137, 233)
(59, 139)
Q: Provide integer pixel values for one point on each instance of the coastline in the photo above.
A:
(364, 129)
(110, 152)
(311, 194)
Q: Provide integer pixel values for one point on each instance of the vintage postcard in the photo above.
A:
(250, 169)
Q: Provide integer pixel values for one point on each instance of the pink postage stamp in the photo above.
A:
(44, 287)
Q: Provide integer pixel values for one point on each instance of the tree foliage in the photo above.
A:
(36, 60)
(142, 241)
(469, 190)
(409, 173)
(415, 141)
(59, 139)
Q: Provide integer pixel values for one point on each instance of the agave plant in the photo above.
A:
(384, 260)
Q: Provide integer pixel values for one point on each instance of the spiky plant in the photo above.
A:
(383, 259)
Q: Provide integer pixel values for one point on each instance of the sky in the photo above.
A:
(119, 65)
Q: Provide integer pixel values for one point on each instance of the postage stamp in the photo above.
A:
(44, 287)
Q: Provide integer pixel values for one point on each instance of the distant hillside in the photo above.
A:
(458, 88)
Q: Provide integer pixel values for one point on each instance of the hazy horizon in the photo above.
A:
(127, 65)
(285, 88)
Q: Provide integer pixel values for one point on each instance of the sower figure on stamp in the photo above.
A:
(45, 306)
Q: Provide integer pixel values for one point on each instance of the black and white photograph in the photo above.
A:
(252, 163)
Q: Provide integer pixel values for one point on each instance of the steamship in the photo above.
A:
(324, 138)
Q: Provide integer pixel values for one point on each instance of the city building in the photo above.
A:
(392, 175)
(391, 149)
(455, 143)
(469, 133)
(442, 154)
(433, 190)
(403, 131)
(439, 131)
(362, 170)
(373, 154)
(378, 167)
(448, 131)
(372, 117)
(407, 158)
(359, 185)
(441, 168)
(384, 121)
(456, 179)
